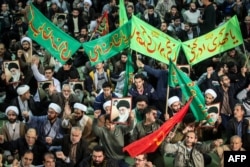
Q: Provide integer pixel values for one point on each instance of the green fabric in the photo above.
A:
(129, 74)
(151, 42)
(109, 45)
(45, 33)
(189, 88)
(123, 18)
(219, 40)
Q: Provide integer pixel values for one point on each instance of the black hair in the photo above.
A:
(139, 75)
(49, 68)
(149, 109)
(141, 98)
(106, 85)
(99, 148)
(189, 118)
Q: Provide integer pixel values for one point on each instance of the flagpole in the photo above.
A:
(247, 56)
(92, 35)
(167, 95)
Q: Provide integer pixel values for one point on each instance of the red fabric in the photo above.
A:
(152, 141)
(103, 27)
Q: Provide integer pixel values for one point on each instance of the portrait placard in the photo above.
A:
(59, 19)
(120, 109)
(185, 68)
(12, 71)
(213, 112)
(77, 88)
(43, 89)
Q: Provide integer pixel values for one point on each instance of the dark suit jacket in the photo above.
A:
(81, 150)
(21, 145)
(32, 106)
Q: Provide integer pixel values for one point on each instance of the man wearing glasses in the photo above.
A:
(141, 161)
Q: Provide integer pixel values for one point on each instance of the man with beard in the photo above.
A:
(174, 104)
(149, 125)
(98, 159)
(27, 48)
(74, 147)
(123, 107)
(13, 129)
(15, 72)
(78, 118)
(24, 102)
(189, 152)
(192, 15)
(78, 90)
(189, 32)
(64, 99)
(48, 125)
(141, 104)
(75, 22)
(226, 93)
(120, 65)
(112, 136)
(151, 17)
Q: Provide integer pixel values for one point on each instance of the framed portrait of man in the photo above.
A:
(43, 89)
(12, 71)
(213, 112)
(60, 19)
(120, 109)
(77, 88)
(185, 68)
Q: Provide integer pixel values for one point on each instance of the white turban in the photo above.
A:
(55, 107)
(11, 108)
(88, 1)
(80, 107)
(26, 39)
(22, 89)
(106, 104)
(172, 100)
(211, 92)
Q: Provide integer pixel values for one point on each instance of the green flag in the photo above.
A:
(109, 45)
(188, 88)
(123, 18)
(129, 74)
(219, 40)
(151, 42)
(45, 33)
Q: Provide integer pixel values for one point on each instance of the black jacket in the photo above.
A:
(109, 163)
(81, 150)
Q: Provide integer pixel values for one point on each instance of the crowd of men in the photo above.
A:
(58, 116)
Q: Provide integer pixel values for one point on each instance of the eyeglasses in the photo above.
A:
(136, 159)
(66, 90)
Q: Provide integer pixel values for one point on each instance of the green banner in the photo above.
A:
(219, 40)
(129, 74)
(45, 33)
(151, 42)
(188, 88)
(123, 18)
(109, 45)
